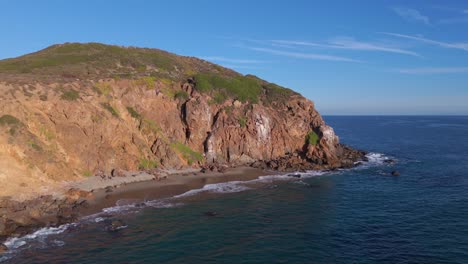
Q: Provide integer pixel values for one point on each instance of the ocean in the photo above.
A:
(360, 215)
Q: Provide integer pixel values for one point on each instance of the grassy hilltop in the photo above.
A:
(62, 62)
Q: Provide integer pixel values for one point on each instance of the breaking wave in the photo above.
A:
(126, 207)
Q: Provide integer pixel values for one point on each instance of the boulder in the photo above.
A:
(118, 173)
(395, 173)
(294, 175)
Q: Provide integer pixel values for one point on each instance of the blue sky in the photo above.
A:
(349, 57)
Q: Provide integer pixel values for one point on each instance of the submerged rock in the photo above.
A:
(143, 204)
(395, 173)
(210, 213)
(116, 225)
(3, 248)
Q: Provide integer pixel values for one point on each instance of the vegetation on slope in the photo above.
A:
(144, 66)
(312, 138)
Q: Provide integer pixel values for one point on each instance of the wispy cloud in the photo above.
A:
(431, 70)
(230, 60)
(298, 43)
(411, 15)
(459, 45)
(300, 55)
(350, 44)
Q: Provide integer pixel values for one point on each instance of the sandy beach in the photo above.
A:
(143, 187)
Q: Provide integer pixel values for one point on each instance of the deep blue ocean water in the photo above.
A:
(362, 215)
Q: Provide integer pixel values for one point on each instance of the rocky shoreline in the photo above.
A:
(19, 218)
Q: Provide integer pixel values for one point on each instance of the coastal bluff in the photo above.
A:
(73, 111)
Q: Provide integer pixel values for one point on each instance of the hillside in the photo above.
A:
(74, 110)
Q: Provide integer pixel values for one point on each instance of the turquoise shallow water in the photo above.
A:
(362, 215)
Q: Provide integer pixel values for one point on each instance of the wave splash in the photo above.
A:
(15, 244)
(376, 158)
(39, 235)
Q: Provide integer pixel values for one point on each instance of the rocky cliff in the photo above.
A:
(75, 110)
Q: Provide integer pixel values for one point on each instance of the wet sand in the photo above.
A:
(174, 184)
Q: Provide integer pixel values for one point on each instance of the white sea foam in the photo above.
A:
(40, 235)
(128, 208)
(271, 178)
(162, 204)
(292, 176)
(121, 227)
(376, 158)
(4, 258)
(224, 187)
(99, 219)
(58, 243)
(373, 159)
(239, 186)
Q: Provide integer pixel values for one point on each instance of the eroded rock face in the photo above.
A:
(198, 118)
(129, 127)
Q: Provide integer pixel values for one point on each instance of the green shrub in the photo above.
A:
(49, 135)
(183, 95)
(149, 82)
(149, 126)
(147, 164)
(312, 138)
(240, 87)
(228, 109)
(70, 95)
(133, 113)
(141, 68)
(102, 88)
(219, 98)
(242, 121)
(187, 153)
(87, 173)
(109, 108)
(34, 145)
(9, 120)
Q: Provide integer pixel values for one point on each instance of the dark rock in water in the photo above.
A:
(116, 225)
(389, 161)
(3, 248)
(140, 204)
(295, 175)
(109, 189)
(210, 213)
(395, 173)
